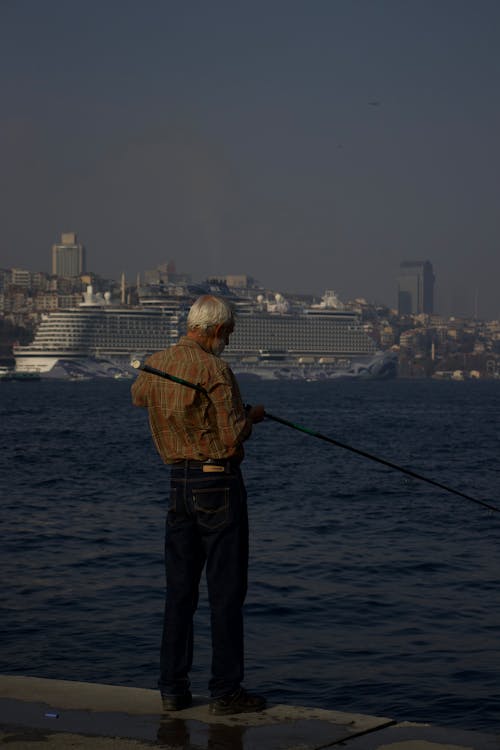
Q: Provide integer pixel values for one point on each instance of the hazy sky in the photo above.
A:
(310, 144)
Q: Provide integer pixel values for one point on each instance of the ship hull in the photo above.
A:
(381, 366)
(71, 367)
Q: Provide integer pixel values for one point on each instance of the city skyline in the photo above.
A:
(414, 284)
(312, 145)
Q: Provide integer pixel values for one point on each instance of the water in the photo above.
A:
(369, 592)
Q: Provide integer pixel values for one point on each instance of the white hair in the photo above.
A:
(209, 311)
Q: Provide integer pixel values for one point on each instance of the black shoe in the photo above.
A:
(177, 702)
(238, 702)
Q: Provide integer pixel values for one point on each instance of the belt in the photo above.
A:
(208, 466)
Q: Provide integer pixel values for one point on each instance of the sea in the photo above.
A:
(370, 592)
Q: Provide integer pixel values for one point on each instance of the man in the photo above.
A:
(201, 435)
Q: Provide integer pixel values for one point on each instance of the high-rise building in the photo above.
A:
(68, 258)
(415, 288)
(20, 277)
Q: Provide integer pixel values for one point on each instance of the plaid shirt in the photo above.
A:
(185, 423)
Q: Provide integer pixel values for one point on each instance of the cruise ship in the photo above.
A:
(272, 339)
(276, 340)
(98, 338)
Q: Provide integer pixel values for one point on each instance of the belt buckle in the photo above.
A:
(209, 468)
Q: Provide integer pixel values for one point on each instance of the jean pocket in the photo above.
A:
(211, 506)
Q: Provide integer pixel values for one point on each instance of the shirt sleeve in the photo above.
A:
(233, 425)
(141, 389)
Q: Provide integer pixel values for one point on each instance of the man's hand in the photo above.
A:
(255, 413)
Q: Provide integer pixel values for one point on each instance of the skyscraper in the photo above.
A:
(415, 287)
(68, 258)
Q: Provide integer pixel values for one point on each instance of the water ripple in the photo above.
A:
(369, 591)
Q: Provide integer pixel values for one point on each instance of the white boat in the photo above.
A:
(277, 340)
(97, 338)
(272, 338)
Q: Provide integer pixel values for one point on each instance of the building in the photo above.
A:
(20, 277)
(237, 281)
(165, 273)
(416, 288)
(68, 258)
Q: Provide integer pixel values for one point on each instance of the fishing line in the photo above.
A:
(146, 368)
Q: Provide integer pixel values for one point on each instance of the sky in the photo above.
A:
(310, 144)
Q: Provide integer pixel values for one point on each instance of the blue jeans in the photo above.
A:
(207, 523)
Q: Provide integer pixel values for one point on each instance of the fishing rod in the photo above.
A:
(160, 373)
(136, 364)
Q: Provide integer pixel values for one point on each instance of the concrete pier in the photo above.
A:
(62, 715)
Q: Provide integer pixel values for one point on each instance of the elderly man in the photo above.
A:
(201, 436)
